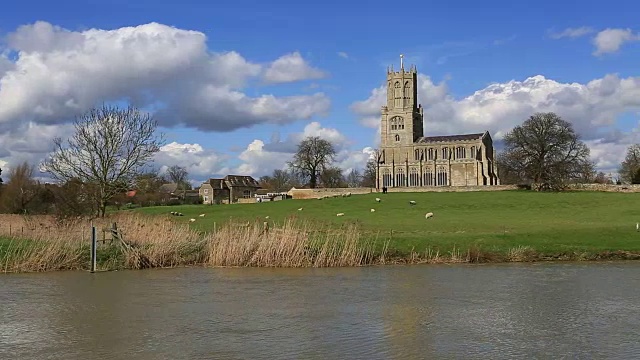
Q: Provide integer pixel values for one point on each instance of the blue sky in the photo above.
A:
(581, 61)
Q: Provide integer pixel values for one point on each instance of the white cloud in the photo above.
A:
(290, 68)
(610, 40)
(592, 107)
(343, 54)
(200, 163)
(573, 32)
(59, 73)
(29, 142)
(260, 158)
(348, 160)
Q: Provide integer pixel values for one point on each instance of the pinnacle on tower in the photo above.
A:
(401, 62)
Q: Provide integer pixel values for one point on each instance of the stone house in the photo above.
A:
(409, 159)
(228, 189)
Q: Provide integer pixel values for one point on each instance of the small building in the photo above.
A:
(228, 189)
(263, 195)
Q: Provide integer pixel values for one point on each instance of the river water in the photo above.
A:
(511, 311)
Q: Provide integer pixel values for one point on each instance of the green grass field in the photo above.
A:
(549, 223)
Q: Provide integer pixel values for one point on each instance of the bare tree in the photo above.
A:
(546, 151)
(369, 174)
(354, 178)
(178, 175)
(332, 177)
(280, 180)
(20, 189)
(602, 178)
(630, 165)
(109, 148)
(314, 155)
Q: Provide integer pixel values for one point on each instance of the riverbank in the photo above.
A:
(466, 228)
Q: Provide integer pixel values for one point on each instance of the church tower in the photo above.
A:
(402, 117)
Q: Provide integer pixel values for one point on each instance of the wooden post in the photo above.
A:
(94, 245)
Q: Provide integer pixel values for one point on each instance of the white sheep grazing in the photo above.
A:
(428, 215)
(340, 214)
(373, 210)
(266, 217)
(300, 209)
(201, 215)
(348, 194)
(192, 220)
(378, 199)
(412, 202)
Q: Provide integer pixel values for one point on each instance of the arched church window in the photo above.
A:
(397, 137)
(427, 178)
(430, 154)
(401, 177)
(414, 177)
(445, 153)
(473, 152)
(461, 152)
(387, 179)
(416, 154)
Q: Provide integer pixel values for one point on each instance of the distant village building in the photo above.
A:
(409, 159)
(173, 193)
(228, 189)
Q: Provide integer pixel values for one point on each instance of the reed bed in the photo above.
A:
(39, 243)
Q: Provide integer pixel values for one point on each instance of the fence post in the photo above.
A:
(94, 245)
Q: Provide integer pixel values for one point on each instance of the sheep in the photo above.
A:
(378, 199)
(180, 214)
(348, 194)
(192, 220)
(266, 217)
(373, 210)
(412, 202)
(202, 215)
(300, 209)
(340, 214)
(428, 215)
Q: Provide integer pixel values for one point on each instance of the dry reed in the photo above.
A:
(39, 243)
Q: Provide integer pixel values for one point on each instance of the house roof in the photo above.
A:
(169, 188)
(241, 180)
(216, 183)
(233, 180)
(448, 138)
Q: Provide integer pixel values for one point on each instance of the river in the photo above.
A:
(509, 311)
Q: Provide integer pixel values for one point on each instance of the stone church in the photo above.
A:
(409, 159)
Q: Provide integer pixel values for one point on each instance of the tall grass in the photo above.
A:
(39, 243)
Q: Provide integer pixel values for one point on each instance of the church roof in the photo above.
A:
(448, 138)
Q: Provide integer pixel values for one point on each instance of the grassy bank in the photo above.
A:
(554, 225)
(466, 227)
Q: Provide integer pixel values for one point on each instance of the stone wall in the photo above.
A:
(317, 193)
(237, 193)
(606, 187)
(464, 174)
